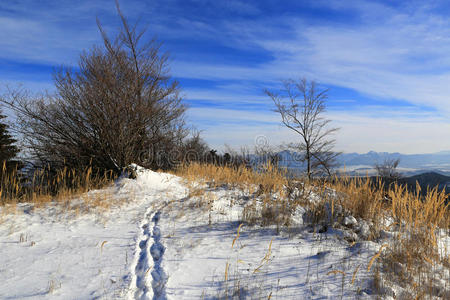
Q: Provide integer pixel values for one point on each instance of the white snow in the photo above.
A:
(156, 242)
(44, 254)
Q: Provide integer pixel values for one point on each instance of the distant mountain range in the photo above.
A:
(361, 164)
(410, 164)
(426, 169)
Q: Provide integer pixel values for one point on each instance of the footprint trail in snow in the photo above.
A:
(143, 265)
(150, 247)
(157, 251)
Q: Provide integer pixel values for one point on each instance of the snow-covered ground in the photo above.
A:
(159, 241)
(56, 253)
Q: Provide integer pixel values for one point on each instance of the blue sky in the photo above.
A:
(387, 63)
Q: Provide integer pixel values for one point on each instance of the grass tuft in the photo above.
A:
(415, 221)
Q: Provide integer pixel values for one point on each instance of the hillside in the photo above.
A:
(429, 179)
(169, 237)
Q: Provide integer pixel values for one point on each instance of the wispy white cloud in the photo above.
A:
(231, 97)
(392, 55)
(46, 33)
(389, 53)
(360, 131)
(384, 133)
(402, 56)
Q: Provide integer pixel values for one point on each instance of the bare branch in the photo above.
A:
(301, 106)
(119, 103)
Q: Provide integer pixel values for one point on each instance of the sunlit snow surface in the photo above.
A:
(161, 244)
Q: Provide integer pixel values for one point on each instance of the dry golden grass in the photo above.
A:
(268, 184)
(410, 259)
(269, 179)
(358, 195)
(429, 211)
(236, 283)
(377, 255)
(46, 186)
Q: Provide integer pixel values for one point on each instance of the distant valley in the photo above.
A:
(427, 169)
(362, 164)
(410, 164)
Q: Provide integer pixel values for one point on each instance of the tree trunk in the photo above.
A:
(308, 162)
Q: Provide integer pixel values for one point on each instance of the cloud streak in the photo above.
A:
(225, 53)
(405, 57)
(377, 130)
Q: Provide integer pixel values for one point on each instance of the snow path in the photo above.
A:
(146, 253)
(45, 254)
(142, 265)
(157, 251)
(148, 276)
(163, 243)
(57, 253)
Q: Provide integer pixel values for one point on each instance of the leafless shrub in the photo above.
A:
(301, 106)
(388, 170)
(121, 102)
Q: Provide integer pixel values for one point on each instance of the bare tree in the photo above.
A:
(301, 106)
(388, 169)
(120, 102)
